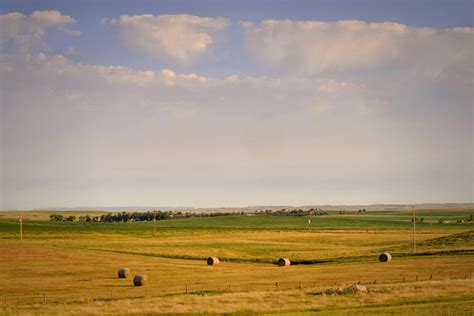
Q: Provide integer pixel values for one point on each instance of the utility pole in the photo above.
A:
(154, 223)
(431, 221)
(21, 227)
(414, 229)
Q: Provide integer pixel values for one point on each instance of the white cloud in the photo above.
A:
(313, 47)
(27, 31)
(51, 18)
(267, 95)
(181, 38)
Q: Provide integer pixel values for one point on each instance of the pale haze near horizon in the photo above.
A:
(195, 109)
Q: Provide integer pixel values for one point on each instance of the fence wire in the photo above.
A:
(10, 299)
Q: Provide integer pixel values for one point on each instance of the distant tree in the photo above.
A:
(86, 218)
(56, 217)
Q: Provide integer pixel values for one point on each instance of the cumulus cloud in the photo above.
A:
(60, 71)
(181, 38)
(26, 31)
(314, 47)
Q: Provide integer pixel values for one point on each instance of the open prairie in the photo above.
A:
(72, 266)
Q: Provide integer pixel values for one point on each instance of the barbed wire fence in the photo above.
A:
(12, 300)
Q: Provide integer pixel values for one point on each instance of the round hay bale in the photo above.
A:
(140, 279)
(283, 262)
(385, 257)
(212, 261)
(123, 273)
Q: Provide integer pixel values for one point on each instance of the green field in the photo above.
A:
(70, 267)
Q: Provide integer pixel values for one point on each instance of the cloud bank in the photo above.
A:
(313, 47)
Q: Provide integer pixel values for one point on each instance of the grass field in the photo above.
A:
(70, 267)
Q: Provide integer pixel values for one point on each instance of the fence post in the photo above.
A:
(276, 284)
(229, 288)
(431, 276)
(44, 298)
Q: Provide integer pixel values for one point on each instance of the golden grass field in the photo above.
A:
(70, 268)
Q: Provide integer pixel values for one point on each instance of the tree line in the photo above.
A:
(124, 217)
(292, 212)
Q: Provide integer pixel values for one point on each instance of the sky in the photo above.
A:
(235, 103)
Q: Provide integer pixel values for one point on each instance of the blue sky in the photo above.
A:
(234, 103)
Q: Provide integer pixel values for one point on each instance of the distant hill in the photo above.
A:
(114, 208)
(394, 207)
(369, 207)
(326, 207)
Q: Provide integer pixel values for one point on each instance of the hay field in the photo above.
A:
(71, 268)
